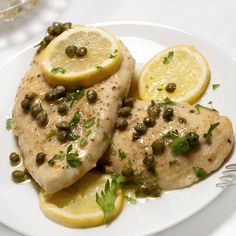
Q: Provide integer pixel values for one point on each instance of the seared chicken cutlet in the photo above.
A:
(90, 121)
(179, 147)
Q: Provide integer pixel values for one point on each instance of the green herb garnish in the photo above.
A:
(168, 101)
(200, 173)
(169, 57)
(87, 133)
(173, 162)
(99, 67)
(98, 122)
(215, 86)
(89, 122)
(108, 140)
(121, 154)
(58, 70)
(9, 124)
(72, 136)
(180, 145)
(160, 89)
(198, 106)
(83, 142)
(72, 158)
(42, 45)
(75, 119)
(51, 133)
(208, 135)
(131, 199)
(172, 134)
(57, 157)
(75, 96)
(113, 55)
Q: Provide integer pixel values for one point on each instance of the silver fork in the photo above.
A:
(228, 177)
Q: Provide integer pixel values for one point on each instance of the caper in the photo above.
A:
(48, 39)
(63, 125)
(42, 118)
(154, 110)
(81, 52)
(14, 158)
(141, 128)
(18, 176)
(31, 96)
(171, 87)
(26, 104)
(51, 31)
(70, 51)
(127, 170)
(168, 114)
(36, 108)
(50, 96)
(63, 109)
(60, 91)
(124, 112)
(149, 121)
(91, 95)
(40, 158)
(66, 25)
(57, 28)
(193, 138)
(142, 191)
(158, 146)
(149, 162)
(135, 136)
(60, 100)
(182, 120)
(121, 123)
(128, 102)
(62, 135)
(148, 190)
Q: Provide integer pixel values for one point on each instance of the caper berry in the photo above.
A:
(57, 28)
(149, 162)
(121, 123)
(35, 109)
(154, 110)
(127, 171)
(193, 138)
(70, 51)
(50, 96)
(66, 25)
(40, 158)
(51, 31)
(18, 176)
(168, 114)
(62, 135)
(158, 146)
(31, 96)
(63, 109)
(149, 121)
(135, 136)
(14, 158)
(91, 95)
(124, 112)
(42, 118)
(128, 102)
(63, 125)
(26, 104)
(141, 128)
(60, 91)
(48, 39)
(170, 88)
(182, 120)
(81, 52)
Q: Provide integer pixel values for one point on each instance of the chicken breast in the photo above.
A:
(96, 123)
(165, 169)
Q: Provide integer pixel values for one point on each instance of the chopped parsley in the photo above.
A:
(83, 142)
(131, 199)
(160, 89)
(51, 133)
(215, 86)
(87, 133)
(57, 157)
(58, 70)
(168, 101)
(208, 135)
(200, 173)
(121, 154)
(72, 136)
(75, 96)
(99, 67)
(75, 119)
(98, 122)
(42, 45)
(9, 124)
(180, 145)
(173, 162)
(72, 158)
(108, 140)
(169, 57)
(198, 106)
(89, 122)
(172, 134)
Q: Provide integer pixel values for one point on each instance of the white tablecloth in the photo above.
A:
(212, 19)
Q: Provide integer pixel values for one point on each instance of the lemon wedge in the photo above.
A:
(102, 59)
(76, 206)
(183, 65)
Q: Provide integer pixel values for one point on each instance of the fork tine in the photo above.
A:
(226, 172)
(231, 166)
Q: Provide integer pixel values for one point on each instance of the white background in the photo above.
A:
(214, 20)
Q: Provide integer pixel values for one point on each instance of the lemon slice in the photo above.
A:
(183, 65)
(76, 206)
(103, 58)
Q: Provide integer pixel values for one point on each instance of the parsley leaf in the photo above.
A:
(108, 140)
(215, 86)
(173, 162)
(72, 136)
(169, 57)
(42, 45)
(208, 135)
(200, 173)
(72, 158)
(198, 106)
(57, 157)
(75, 96)
(75, 119)
(58, 70)
(51, 133)
(113, 55)
(180, 145)
(89, 122)
(121, 154)
(9, 124)
(172, 134)
(168, 101)
(106, 199)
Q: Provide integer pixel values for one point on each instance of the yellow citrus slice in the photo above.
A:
(102, 59)
(76, 206)
(183, 65)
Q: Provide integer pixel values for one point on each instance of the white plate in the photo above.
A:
(19, 207)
